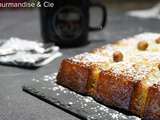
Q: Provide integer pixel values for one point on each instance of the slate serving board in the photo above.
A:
(84, 107)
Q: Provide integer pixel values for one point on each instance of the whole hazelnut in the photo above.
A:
(117, 56)
(142, 45)
(157, 40)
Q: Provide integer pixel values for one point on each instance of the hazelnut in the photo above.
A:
(142, 45)
(159, 66)
(117, 56)
(157, 40)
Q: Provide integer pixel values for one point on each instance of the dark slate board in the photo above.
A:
(83, 107)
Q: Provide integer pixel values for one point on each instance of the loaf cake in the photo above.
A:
(123, 75)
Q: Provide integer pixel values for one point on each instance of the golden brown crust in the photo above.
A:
(115, 90)
(73, 75)
(152, 108)
(78, 76)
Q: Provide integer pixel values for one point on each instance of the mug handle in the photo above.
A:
(104, 18)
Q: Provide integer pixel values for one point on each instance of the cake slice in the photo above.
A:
(115, 89)
(117, 85)
(140, 93)
(79, 73)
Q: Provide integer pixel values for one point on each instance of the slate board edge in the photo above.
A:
(34, 92)
(35, 88)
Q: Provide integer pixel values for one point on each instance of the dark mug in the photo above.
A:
(67, 22)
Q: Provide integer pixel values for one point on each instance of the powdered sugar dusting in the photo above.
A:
(90, 58)
(136, 63)
(123, 68)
